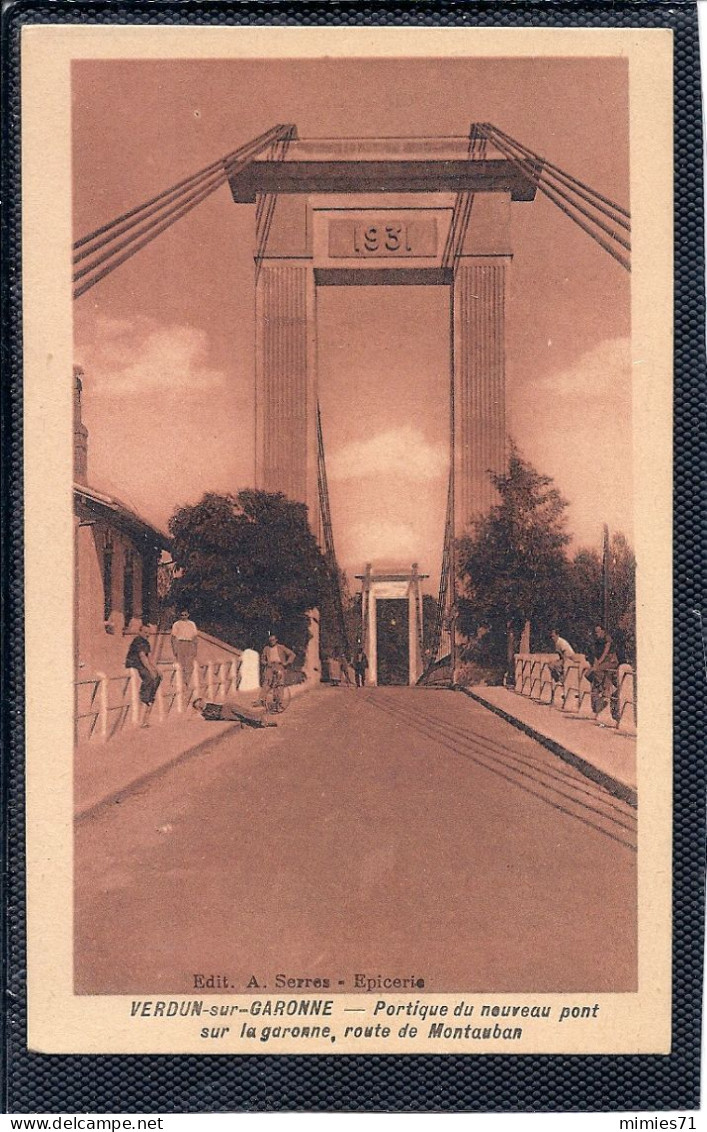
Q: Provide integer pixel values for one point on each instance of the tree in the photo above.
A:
(585, 605)
(248, 565)
(512, 564)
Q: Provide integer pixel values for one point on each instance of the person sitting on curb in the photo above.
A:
(231, 711)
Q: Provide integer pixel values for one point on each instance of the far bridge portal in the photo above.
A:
(384, 587)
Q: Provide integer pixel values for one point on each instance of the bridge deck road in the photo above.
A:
(400, 832)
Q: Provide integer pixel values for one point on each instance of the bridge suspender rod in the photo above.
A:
(446, 599)
(442, 601)
(329, 551)
(463, 204)
(556, 195)
(450, 530)
(265, 207)
(152, 218)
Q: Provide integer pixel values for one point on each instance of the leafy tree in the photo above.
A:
(583, 609)
(585, 597)
(622, 594)
(513, 567)
(248, 565)
(512, 564)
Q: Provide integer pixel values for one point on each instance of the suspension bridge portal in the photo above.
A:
(364, 211)
(347, 212)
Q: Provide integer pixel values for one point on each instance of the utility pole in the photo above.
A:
(605, 577)
(452, 577)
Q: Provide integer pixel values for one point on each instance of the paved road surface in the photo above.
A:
(393, 831)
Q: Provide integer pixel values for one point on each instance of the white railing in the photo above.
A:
(89, 708)
(572, 692)
(107, 705)
(215, 680)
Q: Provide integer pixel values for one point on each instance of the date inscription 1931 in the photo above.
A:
(385, 236)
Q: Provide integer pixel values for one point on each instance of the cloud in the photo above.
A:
(603, 371)
(143, 357)
(402, 452)
(380, 542)
(576, 425)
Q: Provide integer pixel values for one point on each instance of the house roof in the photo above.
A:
(118, 512)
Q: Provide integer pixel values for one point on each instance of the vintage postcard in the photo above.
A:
(348, 394)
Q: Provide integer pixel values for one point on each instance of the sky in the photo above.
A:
(167, 340)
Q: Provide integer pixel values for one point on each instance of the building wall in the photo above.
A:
(102, 643)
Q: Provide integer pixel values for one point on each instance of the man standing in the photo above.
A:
(603, 672)
(184, 643)
(275, 658)
(360, 666)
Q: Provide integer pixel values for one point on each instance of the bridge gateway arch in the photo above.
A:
(373, 211)
(390, 211)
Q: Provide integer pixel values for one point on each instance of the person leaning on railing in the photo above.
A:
(603, 672)
(565, 652)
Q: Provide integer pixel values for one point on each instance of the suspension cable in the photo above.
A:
(566, 176)
(543, 186)
(133, 246)
(176, 210)
(560, 181)
(554, 194)
(463, 204)
(265, 208)
(555, 179)
(166, 213)
(186, 183)
(180, 196)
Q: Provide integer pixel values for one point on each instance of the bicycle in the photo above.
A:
(277, 697)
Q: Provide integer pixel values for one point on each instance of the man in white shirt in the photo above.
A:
(275, 658)
(565, 651)
(184, 642)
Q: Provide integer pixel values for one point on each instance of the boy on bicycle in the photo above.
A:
(275, 658)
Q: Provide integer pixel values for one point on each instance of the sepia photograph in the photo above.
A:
(355, 400)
